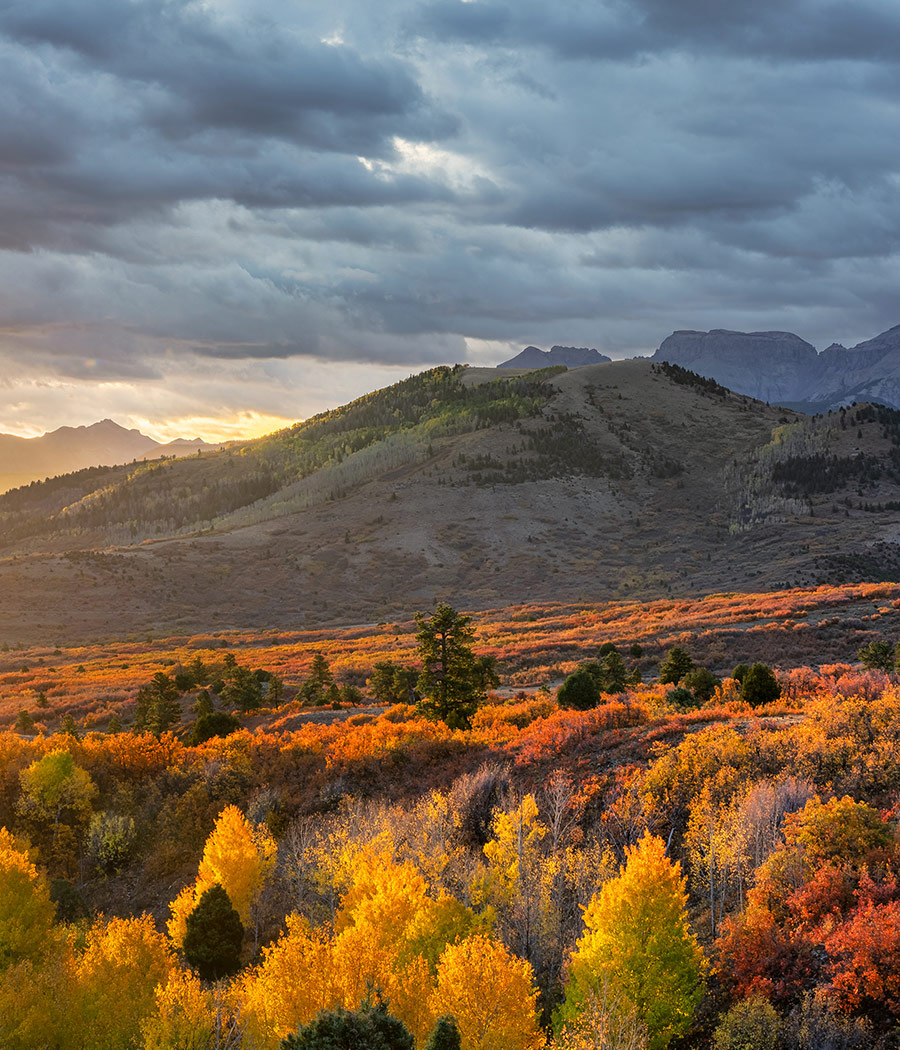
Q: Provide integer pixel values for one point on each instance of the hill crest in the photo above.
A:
(568, 356)
(624, 480)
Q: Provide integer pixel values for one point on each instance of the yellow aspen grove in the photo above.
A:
(180, 909)
(605, 1023)
(237, 856)
(520, 881)
(183, 1018)
(123, 962)
(55, 805)
(389, 935)
(491, 995)
(295, 980)
(637, 943)
(36, 1003)
(383, 938)
(515, 848)
(717, 839)
(26, 911)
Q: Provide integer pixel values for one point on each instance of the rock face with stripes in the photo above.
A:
(782, 368)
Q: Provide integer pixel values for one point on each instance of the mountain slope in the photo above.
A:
(622, 480)
(67, 449)
(313, 461)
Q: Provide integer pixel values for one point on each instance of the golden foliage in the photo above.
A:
(637, 941)
(490, 993)
(183, 1017)
(295, 980)
(239, 858)
(26, 911)
(116, 976)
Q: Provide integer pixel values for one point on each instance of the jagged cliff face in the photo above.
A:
(869, 371)
(770, 366)
(780, 367)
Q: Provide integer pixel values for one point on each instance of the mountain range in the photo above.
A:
(775, 367)
(618, 481)
(569, 356)
(23, 460)
(782, 368)
(778, 367)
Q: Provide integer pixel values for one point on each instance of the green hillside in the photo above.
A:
(198, 493)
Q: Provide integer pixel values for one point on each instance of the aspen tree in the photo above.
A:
(637, 940)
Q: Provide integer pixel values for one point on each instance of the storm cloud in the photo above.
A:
(193, 193)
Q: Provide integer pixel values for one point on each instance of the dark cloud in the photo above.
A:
(255, 184)
(192, 73)
(112, 108)
(618, 30)
(809, 29)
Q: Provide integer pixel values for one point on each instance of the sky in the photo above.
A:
(219, 216)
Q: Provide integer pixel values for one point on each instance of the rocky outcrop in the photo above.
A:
(869, 371)
(780, 367)
(570, 356)
(770, 366)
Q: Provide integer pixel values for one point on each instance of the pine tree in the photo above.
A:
(760, 686)
(157, 705)
(244, 690)
(214, 935)
(24, 722)
(450, 679)
(371, 1026)
(68, 726)
(320, 681)
(675, 666)
(217, 723)
(579, 691)
(444, 1035)
(638, 942)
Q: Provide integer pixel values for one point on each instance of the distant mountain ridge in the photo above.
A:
(782, 368)
(570, 356)
(106, 443)
(778, 367)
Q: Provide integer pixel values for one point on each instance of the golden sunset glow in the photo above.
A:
(242, 427)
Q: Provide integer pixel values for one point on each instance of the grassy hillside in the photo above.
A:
(621, 481)
(177, 496)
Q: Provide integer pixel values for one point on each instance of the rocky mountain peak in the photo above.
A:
(570, 356)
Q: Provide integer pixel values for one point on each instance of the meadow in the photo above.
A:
(374, 859)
